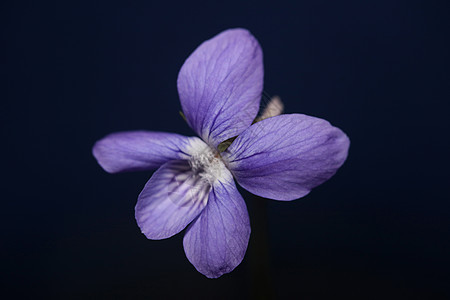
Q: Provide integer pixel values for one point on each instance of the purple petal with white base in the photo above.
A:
(171, 199)
(220, 85)
(216, 242)
(140, 150)
(284, 157)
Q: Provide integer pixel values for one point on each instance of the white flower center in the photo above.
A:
(207, 164)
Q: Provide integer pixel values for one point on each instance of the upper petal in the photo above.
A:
(220, 85)
(141, 150)
(216, 242)
(284, 157)
(171, 199)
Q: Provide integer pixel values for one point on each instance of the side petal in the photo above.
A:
(220, 85)
(171, 199)
(284, 157)
(216, 242)
(140, 150)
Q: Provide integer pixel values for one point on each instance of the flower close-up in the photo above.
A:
(279, 157)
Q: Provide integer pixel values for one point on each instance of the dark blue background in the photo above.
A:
(73, 72)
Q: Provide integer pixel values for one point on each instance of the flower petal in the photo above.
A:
(284, 157)
(140, 150)
(216, 242)
(220, 85)
(171, 199)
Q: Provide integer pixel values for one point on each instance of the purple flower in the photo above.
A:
(281, 157)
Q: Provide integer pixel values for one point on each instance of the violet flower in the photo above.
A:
(281, 157)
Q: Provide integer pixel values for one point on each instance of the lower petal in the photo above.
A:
(217, 241)
(171, 199)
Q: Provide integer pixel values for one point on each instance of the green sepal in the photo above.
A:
(182, 115)
(225, 144)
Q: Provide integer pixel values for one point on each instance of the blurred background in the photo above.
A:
(73, 72)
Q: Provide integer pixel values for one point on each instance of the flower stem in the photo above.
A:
(261, 282)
